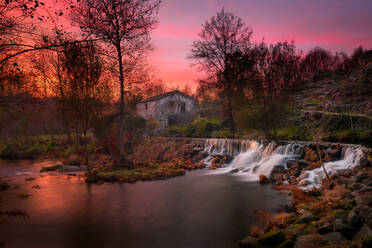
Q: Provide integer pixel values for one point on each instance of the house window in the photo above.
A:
(146, 106)
(183, 107)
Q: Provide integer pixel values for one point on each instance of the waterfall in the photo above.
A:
(254, 158)
(350, 158)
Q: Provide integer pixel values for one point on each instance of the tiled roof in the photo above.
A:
(161, 96)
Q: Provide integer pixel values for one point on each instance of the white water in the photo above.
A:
(252, 158)
(350, 158)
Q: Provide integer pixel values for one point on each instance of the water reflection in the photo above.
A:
(191, 211)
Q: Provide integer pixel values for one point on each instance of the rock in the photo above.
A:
(369, 219)
(249, 242)
(362, 211)
(333, 238)
(305, 218)
(367, 181)
(273, 238)
(354, 220)
(263, 179)
(234, 171)
(367, 242)
(346, 230)
(310, 241)
(360, 236)
(356, 186)
(326, 228)
(287, 244)
(314, 165)
(364, 199)
(299, 164)
(365, 190)
(361, 176)
(278, 169)
(227, 159)
(364, 162)
(304, 182)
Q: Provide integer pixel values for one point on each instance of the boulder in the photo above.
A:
(361, 176)
(346, 230)
(364, 162)
(364, 198)
(354, 220)
(326, 228)
(333, 238)
(367, 242)
(361, 235)
(273, 238)
(249, 242)
(297, 164)
(367, 181)
(305, 218)
(310, 241)
(234, 171)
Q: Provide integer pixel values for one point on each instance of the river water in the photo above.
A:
(201, 209)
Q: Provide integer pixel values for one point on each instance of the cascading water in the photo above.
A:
(350, 158)
(252, 159)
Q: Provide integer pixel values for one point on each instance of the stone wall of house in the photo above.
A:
(147, 110)
(163, 108)
(171, 105)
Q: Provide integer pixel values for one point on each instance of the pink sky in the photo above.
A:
(337, 25)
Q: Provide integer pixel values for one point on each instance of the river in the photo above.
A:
(201, 209)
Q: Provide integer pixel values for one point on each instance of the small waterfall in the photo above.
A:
(350, 158)
(253, 158)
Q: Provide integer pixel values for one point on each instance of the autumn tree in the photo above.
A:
(222, 36)
(117, 23)
(277, 68)
(317, 61)
(84, 93)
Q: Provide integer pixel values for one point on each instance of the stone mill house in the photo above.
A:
(172, 108)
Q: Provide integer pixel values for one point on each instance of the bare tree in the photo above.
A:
(117, 23)
(84, 91)
(278, 69)
(222, 35)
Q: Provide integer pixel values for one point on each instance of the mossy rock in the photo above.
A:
(52, 168)
(367, 242)
(273, 238)
(287, 244)
(249, 242)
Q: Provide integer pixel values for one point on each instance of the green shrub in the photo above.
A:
(223, 133)
(293, 133)
(70, 150)
(11, 151)
(174, 131)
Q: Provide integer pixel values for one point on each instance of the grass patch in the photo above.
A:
(153, 171)
(200, 128)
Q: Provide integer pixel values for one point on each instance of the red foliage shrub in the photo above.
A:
(263, 179)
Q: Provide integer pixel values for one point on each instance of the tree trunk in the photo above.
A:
(121, 118)
(321, 161)
(87, 152)
(229, 110)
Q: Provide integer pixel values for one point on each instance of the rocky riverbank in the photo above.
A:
(339, 214)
